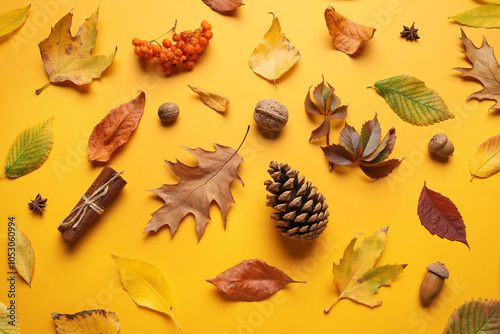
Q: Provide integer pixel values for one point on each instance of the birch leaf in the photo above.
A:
(486, 16)
(496, 2)
(146, 285)
(25, 256)
(8, 322)
(412, 101)
(30, 149)
(88, 322)
(275, 54)
(13, 19)
(213, 100)
(475, 316)
(485, 160)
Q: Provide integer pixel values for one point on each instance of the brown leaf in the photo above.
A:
(199, 186)
(213, 100)
(251, 280)
(485, 70)
(347, 36)
(223, 6)
(115, 129)
(88, 322)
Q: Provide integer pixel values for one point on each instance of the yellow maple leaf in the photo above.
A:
(68, 57)
(275, 54)
(485, 160)
(88, 322)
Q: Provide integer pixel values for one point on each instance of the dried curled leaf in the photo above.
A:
(88, 322)
(212, 99)
(13, 19)
(275, 54)
(486, 16)
(223, 6)
(485, 160)
(485, 69)
(475, 316)
(440, 216)
(251, 280)
(347, 36)
(8, 321)
(25, 256)
(115, 129)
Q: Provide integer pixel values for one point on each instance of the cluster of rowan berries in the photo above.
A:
(180, 52)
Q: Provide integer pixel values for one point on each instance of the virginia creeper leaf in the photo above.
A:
(351, 140)
(146, 285)
(355, 276)
(30, 149)
(275, 54)
(485, 69)
(223, 6)
(199, 186)
(475, 316)
(485, 160)
(440, 216)
(486, 16)
(412, 100)
(6, 326)
(339, 155)
(380, 169)
(251, 280)
(88, 322)
(370, 136)
(68, 58)
(347, 36)
(25, 256)
(115, 129)
(213, 100)
(13, 19)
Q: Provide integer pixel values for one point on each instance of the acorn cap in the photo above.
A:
(437, 142)
(439, 269)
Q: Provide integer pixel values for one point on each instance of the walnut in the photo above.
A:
(270, 114)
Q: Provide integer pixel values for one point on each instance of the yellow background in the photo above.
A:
(71, 279)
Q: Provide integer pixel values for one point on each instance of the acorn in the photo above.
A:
(441, 145)
(433, 282)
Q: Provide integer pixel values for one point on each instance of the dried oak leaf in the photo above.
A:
(198, 187)
(89, 322)
(485, 69)
(347, 36)
(115, 129)
(223, 6)
(365, 149)
(251, 280)
(440, 216)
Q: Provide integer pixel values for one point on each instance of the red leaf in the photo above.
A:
(440, 216)
(338, 155)
(223, 6)
(351, 140)
(251, 280)
(379, 170)
(322, 130)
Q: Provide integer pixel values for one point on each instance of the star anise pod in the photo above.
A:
(37, 204)
(410, 33)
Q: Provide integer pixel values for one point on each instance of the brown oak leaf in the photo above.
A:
(485, 69)
(251, 280)
(115, 129)
(223, 6)
(198, 187)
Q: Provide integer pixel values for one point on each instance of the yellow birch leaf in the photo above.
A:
(146, 285)
(13, 19)
(485, 160)
(8, 321)
(88, 322)
(25, 256)
(213, 100)
(275, 54)
(68, 58)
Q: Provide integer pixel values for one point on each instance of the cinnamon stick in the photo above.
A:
(92, 204)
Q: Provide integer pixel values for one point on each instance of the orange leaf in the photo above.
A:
(115, 129)
(347, 36)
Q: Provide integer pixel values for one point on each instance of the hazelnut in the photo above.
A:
(168, 112)
(271, 115)
(433, 282)
(441, 145)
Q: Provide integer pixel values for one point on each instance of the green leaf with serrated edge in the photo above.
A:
(486, 16)
(412, 100)
(6, 326)
(475, 316)
(13, 19)
(30, 149)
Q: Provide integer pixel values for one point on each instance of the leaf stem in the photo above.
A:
(246, 134)
(39, 90)
(328, 144)
(326, 310)
(1, 176)
(171, 29)
(472, 178)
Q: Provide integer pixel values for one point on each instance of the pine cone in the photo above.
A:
(302, 210)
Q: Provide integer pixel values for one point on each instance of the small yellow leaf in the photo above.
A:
(275, 54)
(485, 160)
(25, 256)
(13, 19)
(213, 100)
(8, 321)
(88, 322)
(146, 285)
